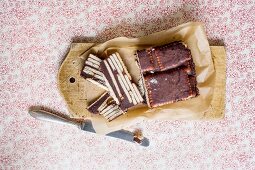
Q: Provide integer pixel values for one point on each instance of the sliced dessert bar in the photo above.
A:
(122, 92)
(106, 106)
(97, 106)
(164, 57)
(170, 86)
(168, 74)
(119, 82)
(92, 71)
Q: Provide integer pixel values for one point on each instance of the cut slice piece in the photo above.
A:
(170, 86)
(164, 57)
(100, 104)
(92, 71)
(124, 91)
(106, 106)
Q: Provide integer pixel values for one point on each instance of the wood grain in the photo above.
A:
(73, 87)
(217, 107)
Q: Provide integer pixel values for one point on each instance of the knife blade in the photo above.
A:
(86, 125)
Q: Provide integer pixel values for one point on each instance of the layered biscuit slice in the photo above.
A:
(105, 106)
(92, 71)
(119, 82)
(121, 94)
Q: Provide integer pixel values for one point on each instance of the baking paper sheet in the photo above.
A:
(194, 36)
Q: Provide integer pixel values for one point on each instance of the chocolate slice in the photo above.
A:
(122, 92)
(162, 58)
(170, 86)
(119, 83)
(92, 71)
(168, 74)
(100, 103)
(106, 106)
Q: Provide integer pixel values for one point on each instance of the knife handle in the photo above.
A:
(50, 117)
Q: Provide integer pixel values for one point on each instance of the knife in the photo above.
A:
(86, 125)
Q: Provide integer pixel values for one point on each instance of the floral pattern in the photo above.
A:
(34, 38)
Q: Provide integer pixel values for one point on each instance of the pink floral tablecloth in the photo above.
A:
(34, 38)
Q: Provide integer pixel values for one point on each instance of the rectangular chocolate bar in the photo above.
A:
(92, 71)
(170, 86)
(119, 83)
(162, 58)
(168, 74)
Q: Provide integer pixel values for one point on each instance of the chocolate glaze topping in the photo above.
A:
(164, 57)
(169, 74)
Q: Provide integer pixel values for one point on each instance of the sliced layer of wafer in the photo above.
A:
(100, 104)
(124, 91)
(111, 112)
(106, 106)
(92, 71)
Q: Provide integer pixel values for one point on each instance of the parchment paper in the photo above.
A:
(194, 36)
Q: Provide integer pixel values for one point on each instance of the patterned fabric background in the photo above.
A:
(34, 38)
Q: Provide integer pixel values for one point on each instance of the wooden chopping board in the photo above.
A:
(73, 87)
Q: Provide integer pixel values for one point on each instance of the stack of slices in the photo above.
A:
(111, 73)
(168, 75)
